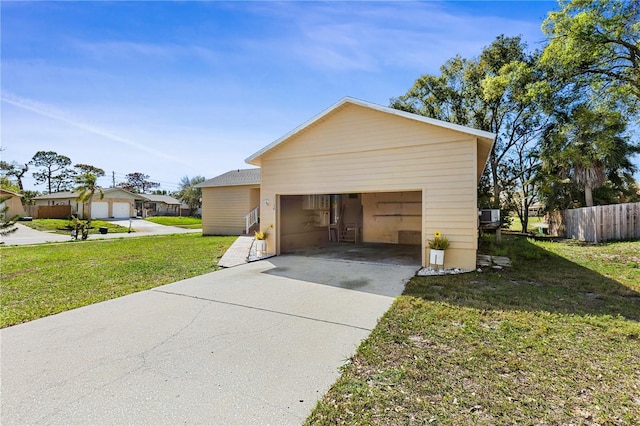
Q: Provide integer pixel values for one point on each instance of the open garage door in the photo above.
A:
(99, 210)
(121, 210)
(379, 226)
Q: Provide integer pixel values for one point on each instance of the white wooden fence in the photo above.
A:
(603, 223)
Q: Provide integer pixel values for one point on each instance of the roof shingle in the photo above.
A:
(234, 178)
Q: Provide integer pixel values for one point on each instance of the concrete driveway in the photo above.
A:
(255, 344)
(25, 235)
(144, 227)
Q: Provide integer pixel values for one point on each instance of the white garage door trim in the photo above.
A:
(121, 210)
(99, 210)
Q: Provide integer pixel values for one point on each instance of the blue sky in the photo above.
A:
(193, 88)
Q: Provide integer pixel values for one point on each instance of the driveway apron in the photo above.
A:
(255, 344)
(26, 236)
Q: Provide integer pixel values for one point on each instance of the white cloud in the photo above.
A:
(108, 50)
(52, 112)
(369, 36)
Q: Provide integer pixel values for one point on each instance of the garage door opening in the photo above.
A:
(99, 210)
(358, 226)
(121, 210)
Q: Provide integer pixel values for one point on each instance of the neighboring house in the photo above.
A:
(185, 210)
(117, 203)
(160, 205)
(230, 202)
(14, 203)
(375, 174)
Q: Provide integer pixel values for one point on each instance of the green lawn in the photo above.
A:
(553, 340)
(534, 223)
(36, 281)
(180, 221)
(63, 226)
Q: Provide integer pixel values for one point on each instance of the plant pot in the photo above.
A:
(261, 248)
(436, 257)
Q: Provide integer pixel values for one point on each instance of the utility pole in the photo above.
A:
(113, 179)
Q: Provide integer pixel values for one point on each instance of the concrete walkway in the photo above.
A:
(238, 253)
(256, 344)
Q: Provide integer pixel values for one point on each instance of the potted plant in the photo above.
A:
(261, 243)
(437, 246)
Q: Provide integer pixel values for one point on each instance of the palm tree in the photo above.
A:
(87, 185)
(190, 194)
(590, 147)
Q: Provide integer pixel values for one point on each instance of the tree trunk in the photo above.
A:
(588, 196)
(23, 171)
(496, 186)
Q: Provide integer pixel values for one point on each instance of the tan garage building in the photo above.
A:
(366, 173)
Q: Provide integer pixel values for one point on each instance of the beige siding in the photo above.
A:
(358, 150)
(224, 208)
(81, 210)
(13, 204)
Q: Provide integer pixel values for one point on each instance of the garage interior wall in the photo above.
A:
(392, 217)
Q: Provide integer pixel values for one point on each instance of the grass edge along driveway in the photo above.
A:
(553, 340)
(41, 280)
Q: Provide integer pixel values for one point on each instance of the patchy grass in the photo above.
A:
(37, 281)
(63, 226)
(179, 221)
(553, 340)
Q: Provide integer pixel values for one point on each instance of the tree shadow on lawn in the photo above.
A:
(538, 281)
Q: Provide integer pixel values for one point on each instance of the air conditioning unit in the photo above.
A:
(489, 216)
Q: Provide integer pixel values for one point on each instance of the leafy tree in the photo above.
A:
(493, 92)
(87, 168)
(138, 183)
(16, 171)
(522, 193)
(87, 185)
(597, 41)
(189, 193)
(5, 183)
(588, 147)
(28, 196)
(53, 170)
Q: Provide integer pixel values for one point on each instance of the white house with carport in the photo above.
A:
(116, 203)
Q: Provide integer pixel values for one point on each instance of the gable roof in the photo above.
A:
(233, 178)
(11, 192)
(57, 195)
(486, 138)
(63, 195)
(167, 199)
